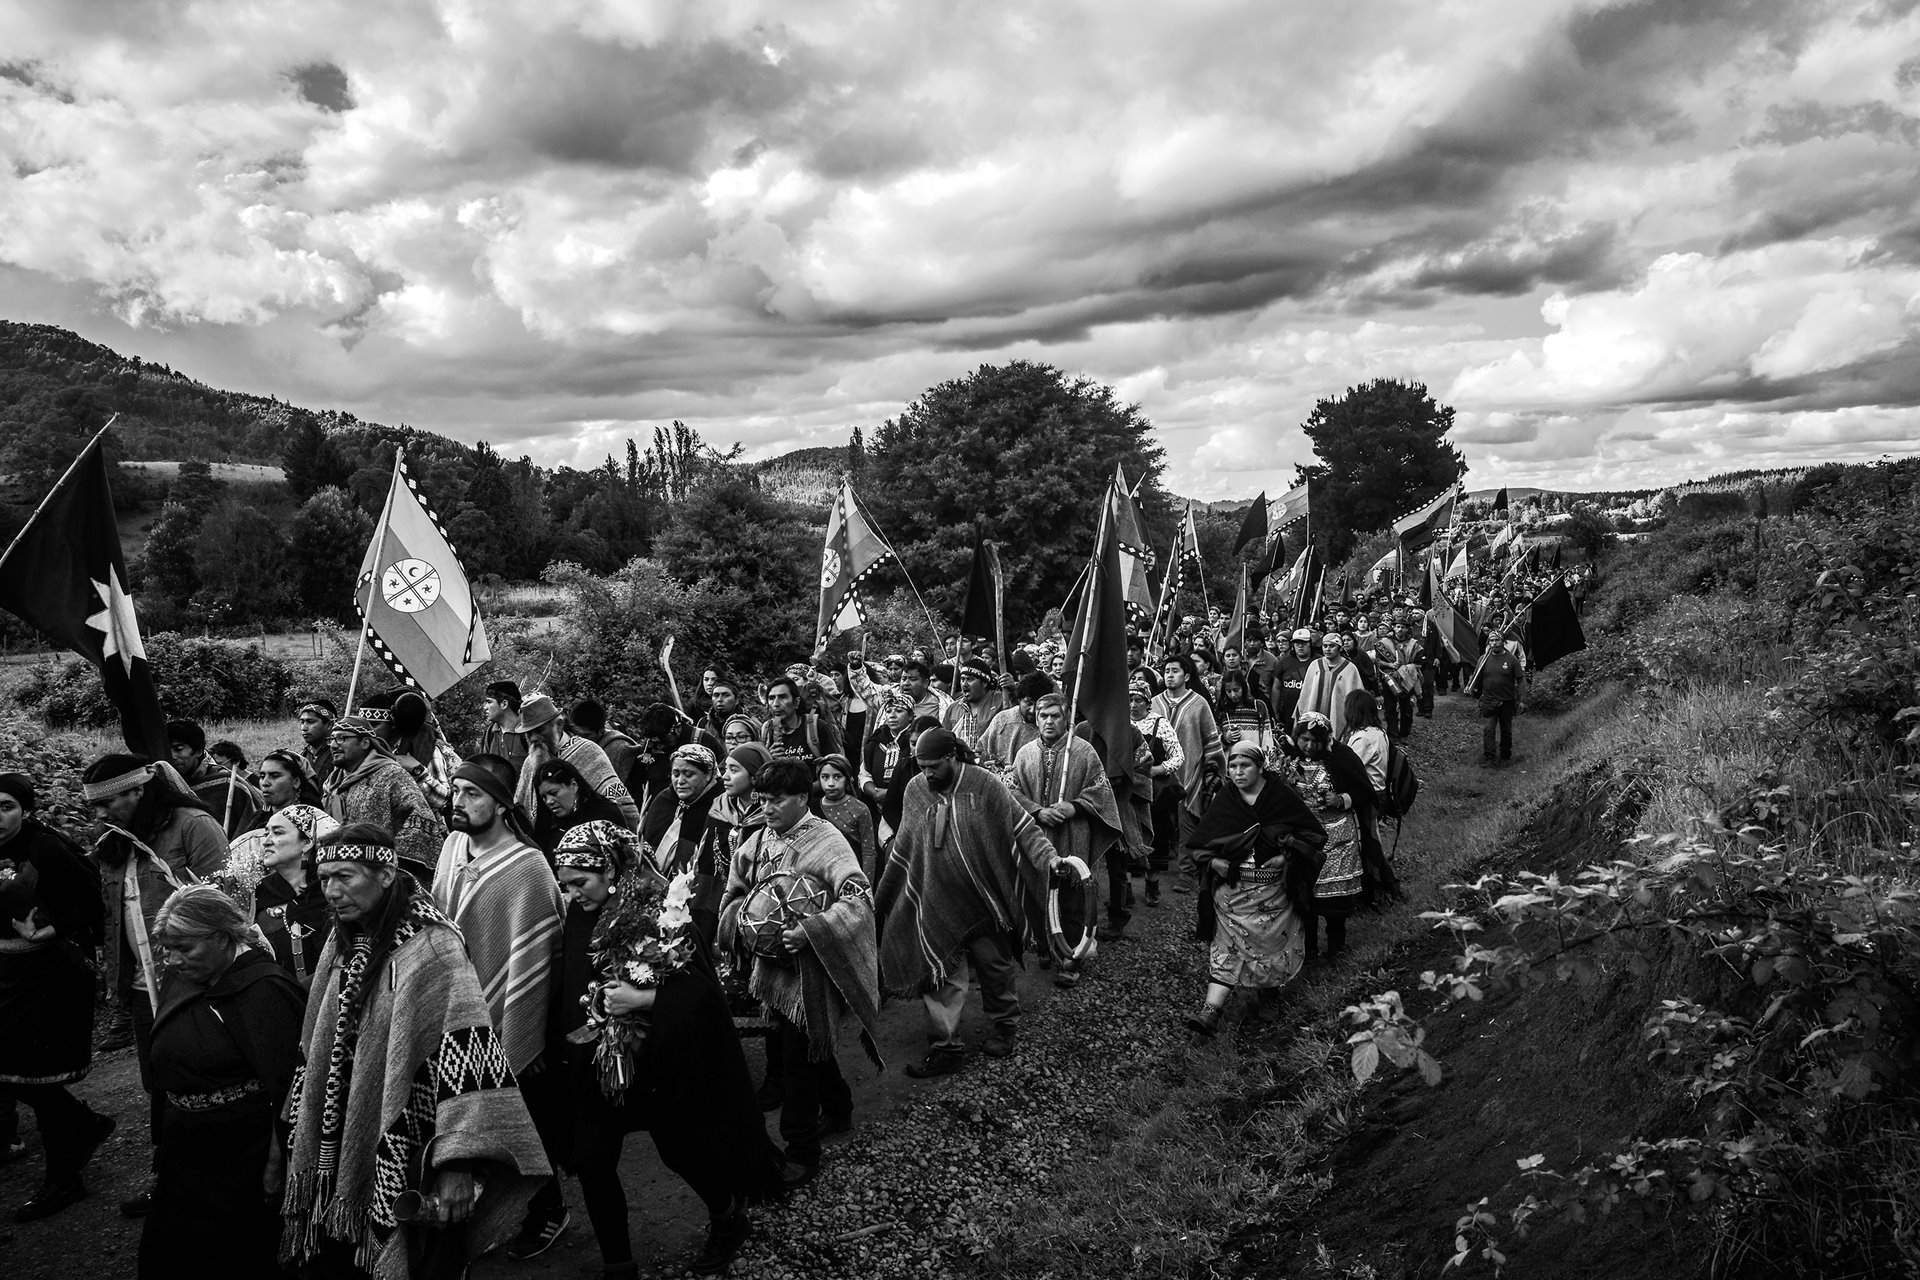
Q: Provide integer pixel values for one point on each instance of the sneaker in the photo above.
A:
(724, 1238)
(139, 1206)
(832, 1125)
(538, 1234)
(1000, 1043)
(938, 1062)
(51, 1199)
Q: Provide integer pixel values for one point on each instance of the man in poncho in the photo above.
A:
(492, 881)
(966, 884)
(405, 1087)
(369, 786)
(828, 970)
(1060, 779)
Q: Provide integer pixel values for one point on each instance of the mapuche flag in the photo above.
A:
(1136, 557)
(1294, 506)
(1418, 528)
(854, 549)
(66, 575)
(415, 603)
(1457, 632)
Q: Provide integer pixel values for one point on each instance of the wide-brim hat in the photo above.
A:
(538, 711)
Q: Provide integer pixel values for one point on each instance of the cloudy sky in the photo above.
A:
(1630, 243)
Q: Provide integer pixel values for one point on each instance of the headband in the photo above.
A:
(108, 788)
(318, 710)
(752, 728)
(696, 755)
(372, 855)
(484, 779)
(375, 715)
(311, 822)
(602, 846)
(1245, 748)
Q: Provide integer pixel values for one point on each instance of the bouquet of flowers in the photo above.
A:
(246, 868)
(645, 933)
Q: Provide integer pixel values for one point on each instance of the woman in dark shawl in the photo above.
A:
(562, 799)
(287, 903)
(50, 921)
(226, 1041)
(1259, 846)
(672, 828)
(1334, 781)
(690, 1086)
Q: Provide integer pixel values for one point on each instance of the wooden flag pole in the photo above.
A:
(373, 583)
(48, 497)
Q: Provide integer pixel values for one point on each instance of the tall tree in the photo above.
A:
(731, 534)
(311, 460)
(326, 540)
(1026, 450)
(1383, 451)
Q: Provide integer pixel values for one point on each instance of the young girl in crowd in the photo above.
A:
(849, 816)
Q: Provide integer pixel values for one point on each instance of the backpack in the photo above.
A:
(1403, 784)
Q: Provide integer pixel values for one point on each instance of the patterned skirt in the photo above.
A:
(1258, 940)
(1337, 891)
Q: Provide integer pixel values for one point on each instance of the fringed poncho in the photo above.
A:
(403, 1074)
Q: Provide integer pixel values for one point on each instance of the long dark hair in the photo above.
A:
(381, 929)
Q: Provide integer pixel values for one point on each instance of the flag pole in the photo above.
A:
(373, 583)
(939, 640)
(1089, 618)
(64, 477)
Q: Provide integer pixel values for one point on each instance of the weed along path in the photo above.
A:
(1111, 1144)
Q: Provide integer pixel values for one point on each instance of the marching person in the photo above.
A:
(492, 882)
(158, 838)
(226, 1043)
(548, 739)
(316, 719)
(1060, 780)
(500, 733)
(369, 786)
(828, 972)
(50, 922)
(965, 888)
(1013, 728)
(1162, 799)
(673, 833)
(1497, 685)
(980, 700)
(395, 1001)
(1355, 873)
(562, 800)
(1324, 690)
(287, 905)
(793, 729)
(226, 795)
(1260, 848)
(1202, 753)
(588, 717)
(285, 779)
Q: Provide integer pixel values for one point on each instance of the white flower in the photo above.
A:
(675, 914)
(641, 974)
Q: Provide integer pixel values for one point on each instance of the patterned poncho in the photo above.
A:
(401, 1063)
(968, 862)
(507, 907)
(1038, 782)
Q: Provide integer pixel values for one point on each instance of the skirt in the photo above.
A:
(46, 1016)
(1337, 891)
(1258, 940)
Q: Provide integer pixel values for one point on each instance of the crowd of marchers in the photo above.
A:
(387, 984)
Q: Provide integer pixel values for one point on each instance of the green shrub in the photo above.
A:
(196, 680)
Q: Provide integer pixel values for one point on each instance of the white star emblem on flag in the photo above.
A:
(116, 622)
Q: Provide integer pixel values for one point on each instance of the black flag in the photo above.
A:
(1097, 655)
(980, 619)
(1553, 625)
(1500, 499)
(1555, 565)
(1253, 527)
(66, 575)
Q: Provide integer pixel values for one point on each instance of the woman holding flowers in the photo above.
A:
(642, 1029)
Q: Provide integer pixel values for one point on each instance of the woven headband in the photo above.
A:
(375, 715)
(110, 787)
(317, 710)
(372, 854)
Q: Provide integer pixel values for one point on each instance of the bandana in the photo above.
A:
(372, 854)
(1251, 750)
(601, 846)
(108, 788)
(896, 702)
(317, 711)
(741, 720)
(484, 779)
(698, 756)
(750, 756)
(308, 821)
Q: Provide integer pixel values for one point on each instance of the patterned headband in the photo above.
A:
(317, 710)
(375, 715)
(372, 854)
(309, 821)
(107, 788)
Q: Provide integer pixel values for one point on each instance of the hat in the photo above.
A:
(750, 756)
(1138, 685)
(895, 700)
(484, 778)
(602, 846)
(1304, 634)
(975, 667)
(538, 711)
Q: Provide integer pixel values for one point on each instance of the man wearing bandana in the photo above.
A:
(405, 1088)
(369, 786)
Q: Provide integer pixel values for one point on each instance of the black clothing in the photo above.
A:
(296, 923)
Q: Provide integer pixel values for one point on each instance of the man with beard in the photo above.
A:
(965, 886)
(1061, 781)
(369, 786)
(405, 1088)
(492, 881)
(316, 721)
(548, 739)
(980, 701)
(1014, 728)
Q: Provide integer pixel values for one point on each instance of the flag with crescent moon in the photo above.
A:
(415, 603)
(854, 549)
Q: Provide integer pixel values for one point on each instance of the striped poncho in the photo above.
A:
(507, 906)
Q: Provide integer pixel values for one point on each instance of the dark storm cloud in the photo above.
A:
(324, 85)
